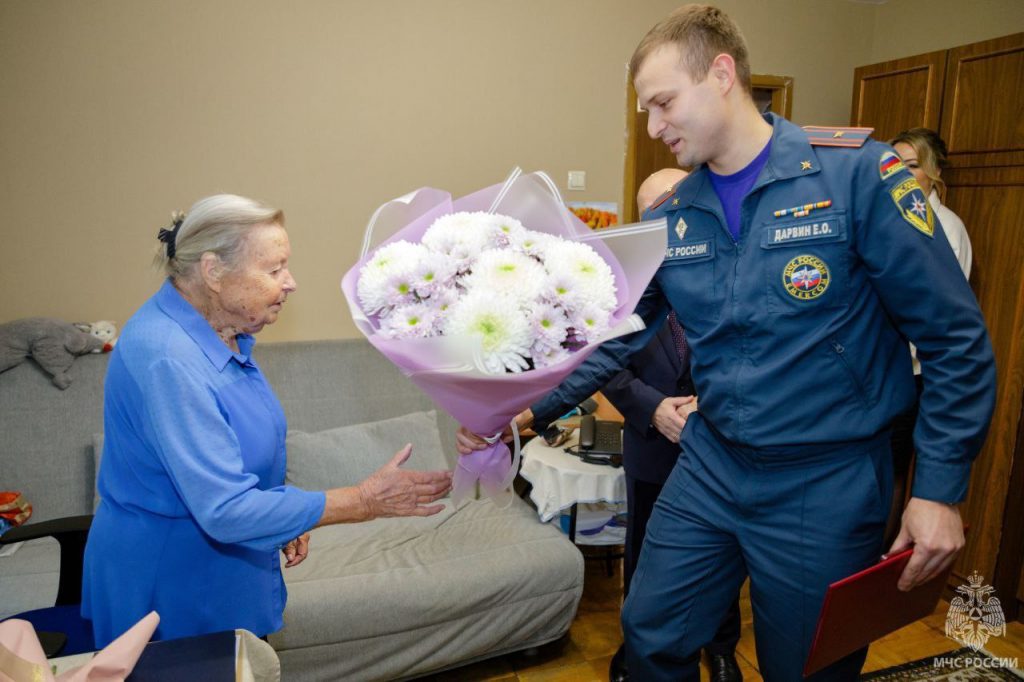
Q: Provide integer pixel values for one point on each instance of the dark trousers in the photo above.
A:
(902, 456)
(794, 522)
(640, 499)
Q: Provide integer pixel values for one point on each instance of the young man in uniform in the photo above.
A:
(797, 261)
(655, 395)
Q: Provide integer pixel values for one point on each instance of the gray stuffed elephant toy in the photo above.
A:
(53, 344)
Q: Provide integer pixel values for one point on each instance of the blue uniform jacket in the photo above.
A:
(797, 331)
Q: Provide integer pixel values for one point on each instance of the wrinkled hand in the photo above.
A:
(670, 415)
(392, 491)
(296, 551)
(936, 532)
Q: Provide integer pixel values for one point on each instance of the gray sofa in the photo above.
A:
(387, 599)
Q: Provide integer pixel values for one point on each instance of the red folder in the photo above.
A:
(867, 606)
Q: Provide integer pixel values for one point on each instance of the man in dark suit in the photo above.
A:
(655, 394)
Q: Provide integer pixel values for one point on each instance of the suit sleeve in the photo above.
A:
(916, 276)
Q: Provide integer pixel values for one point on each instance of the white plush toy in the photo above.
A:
(104, 330)
(53, 344)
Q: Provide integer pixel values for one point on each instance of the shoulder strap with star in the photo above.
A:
(664, 197)
(831, 136)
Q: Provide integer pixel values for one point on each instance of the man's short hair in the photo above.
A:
(701, 32)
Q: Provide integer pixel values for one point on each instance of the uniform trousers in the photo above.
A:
(640, 499)
(793, 519)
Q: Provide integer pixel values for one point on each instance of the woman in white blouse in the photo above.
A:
(924, 154)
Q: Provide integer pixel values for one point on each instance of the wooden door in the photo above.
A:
(984, 131)
(645, 156)
(974, 95)
(904, 93)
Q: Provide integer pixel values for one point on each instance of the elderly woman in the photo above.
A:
(194, 507)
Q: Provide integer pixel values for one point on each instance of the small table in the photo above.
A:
(561, 481)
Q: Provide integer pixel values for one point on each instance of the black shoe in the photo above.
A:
(617, 671)
(724, 668)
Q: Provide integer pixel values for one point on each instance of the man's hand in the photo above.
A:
(467, 442)
(670, 415)
(296, 551)
(392, 491)
(936, 532)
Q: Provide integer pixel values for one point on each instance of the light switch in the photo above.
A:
(577, 179)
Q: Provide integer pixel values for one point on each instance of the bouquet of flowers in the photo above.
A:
(486, 311)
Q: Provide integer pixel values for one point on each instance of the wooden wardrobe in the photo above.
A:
(974, 96)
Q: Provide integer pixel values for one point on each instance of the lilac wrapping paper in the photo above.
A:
(448, 368)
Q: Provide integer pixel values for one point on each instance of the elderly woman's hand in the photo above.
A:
(389, 491)
(392, 491)
(296, 551)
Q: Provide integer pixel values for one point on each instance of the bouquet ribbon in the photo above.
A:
(449, 369)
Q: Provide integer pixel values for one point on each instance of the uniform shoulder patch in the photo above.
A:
(889, 164)
(831, 136)
(913, 206)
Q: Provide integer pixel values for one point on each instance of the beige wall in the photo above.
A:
(909, 27)
(115, 112)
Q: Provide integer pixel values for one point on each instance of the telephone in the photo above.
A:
(600, 441)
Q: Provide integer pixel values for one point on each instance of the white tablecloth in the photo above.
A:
(560, 480)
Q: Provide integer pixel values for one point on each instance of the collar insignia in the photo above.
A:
(805, 165)
(681, 228)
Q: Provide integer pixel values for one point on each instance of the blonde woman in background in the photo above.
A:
(924, 154)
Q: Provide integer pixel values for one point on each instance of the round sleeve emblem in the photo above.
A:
(806, 277)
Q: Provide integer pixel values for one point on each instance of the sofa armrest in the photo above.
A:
(71, 532)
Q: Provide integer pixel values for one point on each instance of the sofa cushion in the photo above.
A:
(348, 454)
(396, 597)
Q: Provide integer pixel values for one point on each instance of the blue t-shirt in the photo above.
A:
(194, 507)
(732, 188)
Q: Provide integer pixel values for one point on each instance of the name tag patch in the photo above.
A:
(692, 251)
(811, 230)
(806, 277)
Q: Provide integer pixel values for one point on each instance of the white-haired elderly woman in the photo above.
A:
(194, 507)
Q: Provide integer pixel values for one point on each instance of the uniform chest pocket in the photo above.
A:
(689, 279)
(806, 264)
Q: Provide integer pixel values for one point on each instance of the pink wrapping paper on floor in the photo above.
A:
(445, 367)
(21, 654)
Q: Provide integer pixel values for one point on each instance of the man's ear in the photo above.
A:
(211, 269)
(723, 72)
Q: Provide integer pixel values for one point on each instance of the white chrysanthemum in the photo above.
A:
(506, 272)
(506, 230)
(432, 274)
(413, 321)
(550, 327)
(377, 276)
(561, 290)
(501, 326)
(461, 235)
(589, 322)
(592, 278)
(548, 358)
(532, 243)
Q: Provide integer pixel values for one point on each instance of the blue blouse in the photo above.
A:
(194, 508)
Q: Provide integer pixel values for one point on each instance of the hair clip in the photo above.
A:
(170, 236)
